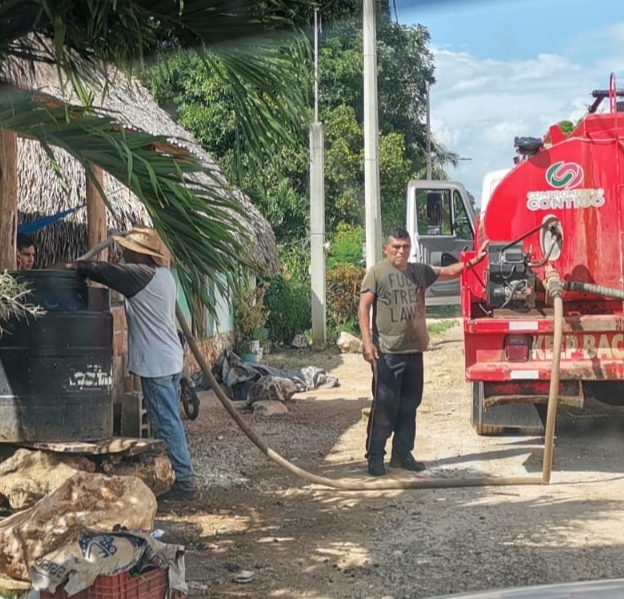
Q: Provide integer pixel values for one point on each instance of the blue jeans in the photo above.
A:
(163, 412)
(398, 389)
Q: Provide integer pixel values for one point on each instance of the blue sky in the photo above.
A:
(512, 67)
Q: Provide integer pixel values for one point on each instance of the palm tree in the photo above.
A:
(202, 224)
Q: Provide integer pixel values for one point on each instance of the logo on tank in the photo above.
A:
(564, 178)
(564, 175)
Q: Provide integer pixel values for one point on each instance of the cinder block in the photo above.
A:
(134, 422)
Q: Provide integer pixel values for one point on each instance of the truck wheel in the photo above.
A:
(607, 392)
(478, 413)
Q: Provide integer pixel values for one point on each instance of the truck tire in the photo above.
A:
(607, 392)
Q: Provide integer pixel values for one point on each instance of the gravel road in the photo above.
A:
(290, 539)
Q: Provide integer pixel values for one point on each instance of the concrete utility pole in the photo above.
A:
(317, 214)
(372, 203)
(428, 133)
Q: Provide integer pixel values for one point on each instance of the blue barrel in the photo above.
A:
(56, 370)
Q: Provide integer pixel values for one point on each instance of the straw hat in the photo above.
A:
(144, 240)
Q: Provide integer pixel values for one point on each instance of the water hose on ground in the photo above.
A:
(380, 485)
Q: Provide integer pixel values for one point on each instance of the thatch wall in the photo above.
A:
(42, 193)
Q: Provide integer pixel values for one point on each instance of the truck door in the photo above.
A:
(440, 220)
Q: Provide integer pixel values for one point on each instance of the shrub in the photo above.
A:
(343, 296)
(288, 304)
(250, 316)
(347, 246)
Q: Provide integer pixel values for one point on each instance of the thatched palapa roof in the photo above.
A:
(42, 193)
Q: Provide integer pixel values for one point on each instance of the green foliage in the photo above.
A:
(346, 246)
(288, 302)
(343, 295)
(287, 298)
(566, 127)
(250, 316)
(437, 328)
(278, 181)
(266, 79)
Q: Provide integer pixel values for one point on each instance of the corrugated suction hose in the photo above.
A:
(595, 289)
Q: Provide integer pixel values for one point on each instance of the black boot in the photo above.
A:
(407, 462)
(376, 466)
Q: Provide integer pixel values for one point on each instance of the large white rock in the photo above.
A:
(86, 501)
(28, 476)
(348, 343)
(154, 470)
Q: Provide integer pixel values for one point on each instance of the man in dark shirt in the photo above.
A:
(154, 350)
(394, 290)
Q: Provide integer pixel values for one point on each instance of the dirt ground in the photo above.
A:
(304, 541)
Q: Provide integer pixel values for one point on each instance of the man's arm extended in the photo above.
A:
(455, 270)
(127, 279)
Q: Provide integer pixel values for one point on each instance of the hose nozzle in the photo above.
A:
(554, 285)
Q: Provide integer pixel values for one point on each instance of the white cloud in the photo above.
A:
(480, 105)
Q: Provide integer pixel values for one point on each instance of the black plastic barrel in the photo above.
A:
(56, 370)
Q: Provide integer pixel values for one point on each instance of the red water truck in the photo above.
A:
(555, 224)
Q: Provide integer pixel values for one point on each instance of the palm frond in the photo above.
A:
(203, 226)
(259, 54)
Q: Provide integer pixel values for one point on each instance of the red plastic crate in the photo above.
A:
(149, 585)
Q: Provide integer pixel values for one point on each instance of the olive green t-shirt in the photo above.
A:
(399, 320)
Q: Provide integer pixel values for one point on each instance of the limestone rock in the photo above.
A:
(300, 342)
(28, 476)
(154, 470)
(86, 501)
(269, 408)
(348, 343)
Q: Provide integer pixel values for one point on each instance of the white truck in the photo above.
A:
(441, 222)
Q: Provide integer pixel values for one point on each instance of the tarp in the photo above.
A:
(40, 223)
(238, 376)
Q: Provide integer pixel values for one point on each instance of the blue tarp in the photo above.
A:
(40, 223)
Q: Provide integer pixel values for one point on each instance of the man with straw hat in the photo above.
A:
(154, 350)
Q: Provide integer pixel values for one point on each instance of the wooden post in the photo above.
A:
(97, 229)
(8, 199)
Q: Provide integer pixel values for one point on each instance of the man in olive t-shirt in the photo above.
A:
(395, 291)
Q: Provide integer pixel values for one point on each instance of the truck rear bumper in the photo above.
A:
(592, 348)
(587, 370)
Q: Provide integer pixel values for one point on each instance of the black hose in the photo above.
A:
(595, 289)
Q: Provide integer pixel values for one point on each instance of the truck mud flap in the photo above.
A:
(496, 419)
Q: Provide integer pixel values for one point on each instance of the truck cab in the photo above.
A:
(441, 222)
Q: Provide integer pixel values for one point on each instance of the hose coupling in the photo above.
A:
(554, 285)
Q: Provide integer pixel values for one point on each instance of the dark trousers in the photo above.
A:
(398, 388)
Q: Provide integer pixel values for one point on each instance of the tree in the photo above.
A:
(201, 226)
(566, 127)
(279, 187)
